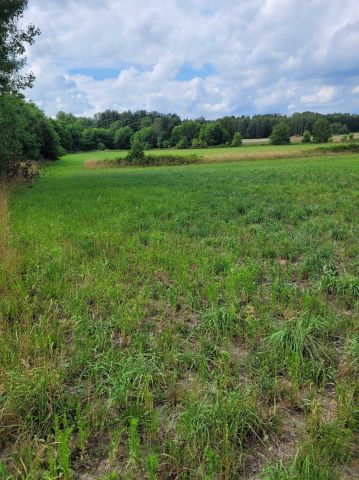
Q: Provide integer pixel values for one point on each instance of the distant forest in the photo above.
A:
(115, 130)
(26, 134)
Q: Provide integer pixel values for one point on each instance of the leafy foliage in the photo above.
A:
(237, 140)
(25, 134)
(321, 131)
(13, 41)
(307, 137)
(280, 134)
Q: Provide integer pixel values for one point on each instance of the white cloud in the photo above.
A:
(323, 95)
(268, 55)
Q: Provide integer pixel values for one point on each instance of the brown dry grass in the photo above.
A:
(238, 157)
(92, 164)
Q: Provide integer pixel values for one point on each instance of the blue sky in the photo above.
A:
(195, 57)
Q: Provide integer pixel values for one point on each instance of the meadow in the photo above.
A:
(187, 322)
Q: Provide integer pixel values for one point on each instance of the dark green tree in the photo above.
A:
(188, 130)
(122, 138)
(280, 134)
(321, 131)
(13, 41)
(212, 134)
(147, 137)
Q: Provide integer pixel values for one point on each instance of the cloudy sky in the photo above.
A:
(195, 57)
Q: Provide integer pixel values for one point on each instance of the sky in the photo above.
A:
(195, 58)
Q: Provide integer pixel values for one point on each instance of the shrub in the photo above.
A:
(196, 143)
(136, 155)
(307, 137)
(340, 147)
(158, 160)
(166, 144)
(237, 140)
(280, 134)
(101, 146)
(182, 144)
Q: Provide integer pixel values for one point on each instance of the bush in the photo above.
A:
(182, 144)
(321, 131)
(237, 140)
(280, 134)
(137, 154)
(166, 144)
(307, 137)
(196, 143)
(150, 160)
(101, 146)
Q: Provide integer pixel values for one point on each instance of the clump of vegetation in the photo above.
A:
(321, 131)
(307, 137)
(137, 157)
(280, 134)
(340, 148)
(237, 140)
(137, 153)
(26, 134)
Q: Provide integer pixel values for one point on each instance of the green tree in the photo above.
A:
(25, 134)
(13, 41)
(182, 143)
(212, 133)
(237, 140)
(307, 137)
(122, 138)
(280, 134)
(188, 130)
(12, 129)
(321, 131)
(147, 137)
(339, 128)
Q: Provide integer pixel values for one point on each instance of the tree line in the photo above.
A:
(118, 130)
(27, 134)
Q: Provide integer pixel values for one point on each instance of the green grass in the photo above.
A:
(208, 152)
(173, 322)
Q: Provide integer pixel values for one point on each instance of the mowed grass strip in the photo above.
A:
(185, 322)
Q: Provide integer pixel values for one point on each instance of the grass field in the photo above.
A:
(189, 322)
(207, 153)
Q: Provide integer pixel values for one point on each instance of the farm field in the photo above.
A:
(188, 322)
